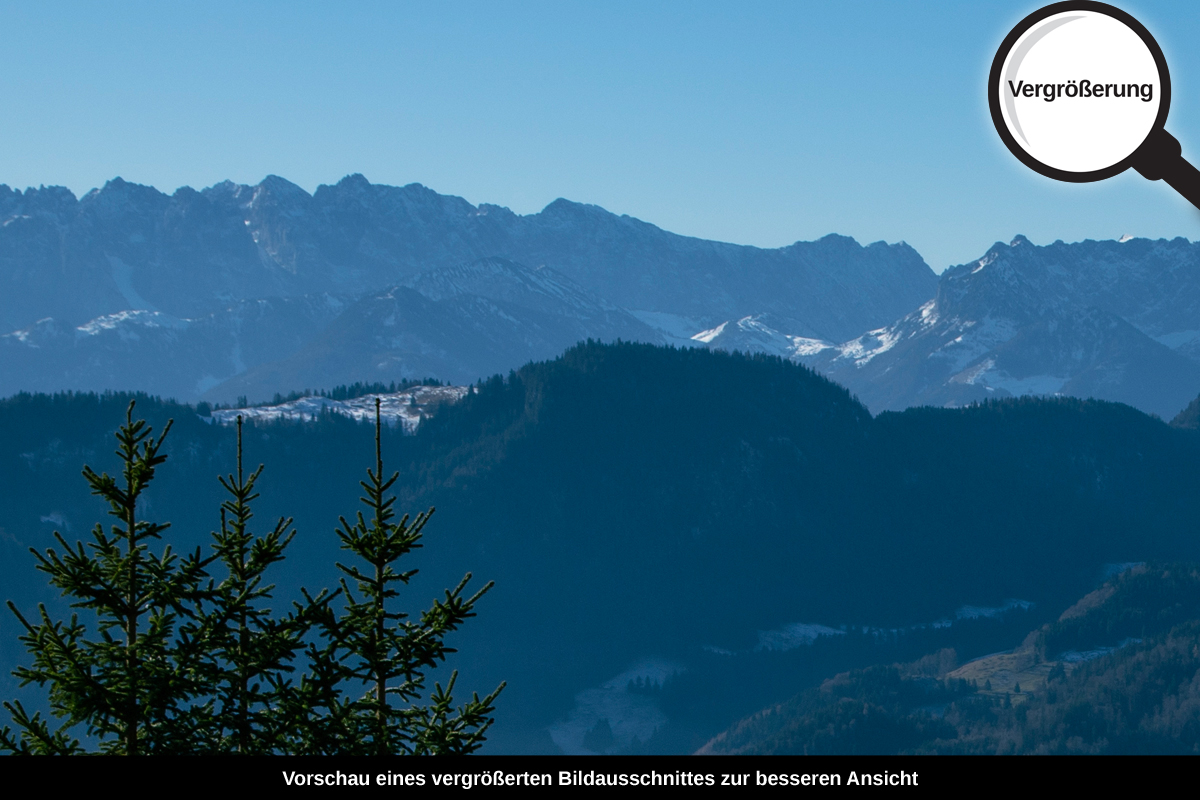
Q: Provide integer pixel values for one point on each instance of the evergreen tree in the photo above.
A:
(369, 673)
(128, 679)
(245, 652)
(181, 663)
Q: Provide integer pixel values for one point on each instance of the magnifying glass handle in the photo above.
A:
(1161, 158)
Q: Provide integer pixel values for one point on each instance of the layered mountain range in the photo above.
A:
(277, 289)
(1114, 320)
(248, 291)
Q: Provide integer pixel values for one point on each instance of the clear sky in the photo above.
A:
(753, 122)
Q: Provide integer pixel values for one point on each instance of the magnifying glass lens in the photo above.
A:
(1078, 92)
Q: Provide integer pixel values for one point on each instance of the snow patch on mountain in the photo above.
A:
(126, 323)
(973, 340)
(752, 334)
(707, 337)
(928, 314)
(34, 334)
(1113, 321)
(983, 262)
(803, 346)
(405, 408)
(869, 345)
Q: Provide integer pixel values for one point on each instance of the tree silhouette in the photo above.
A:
(370, 671)
(245, 652)
(178, 661)
(129, 679)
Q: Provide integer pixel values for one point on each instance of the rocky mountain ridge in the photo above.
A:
(193, 260)
(255, 290)
(1114, 320)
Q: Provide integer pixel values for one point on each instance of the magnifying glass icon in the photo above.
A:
(1079, 91)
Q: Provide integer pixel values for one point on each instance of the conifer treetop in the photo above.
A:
(127, 679)
(385, 651)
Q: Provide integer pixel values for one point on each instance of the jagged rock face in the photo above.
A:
(192, 252)
(818, 287)
(1113, 320)
(1154, 285)
(193, 257)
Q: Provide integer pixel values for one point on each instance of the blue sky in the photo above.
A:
(759, 123)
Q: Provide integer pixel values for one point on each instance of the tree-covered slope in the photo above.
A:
(632, 501)
(1118, 672)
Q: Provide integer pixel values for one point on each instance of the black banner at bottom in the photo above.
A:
(535, 774)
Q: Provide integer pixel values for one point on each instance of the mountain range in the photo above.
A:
(1114, 320)
(129, 288)
(250, 291)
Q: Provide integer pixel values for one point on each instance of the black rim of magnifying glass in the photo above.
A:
(1007, 45)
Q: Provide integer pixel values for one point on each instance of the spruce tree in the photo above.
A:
(369, 673)
(179, 662)
(127, 678)
(245, 652)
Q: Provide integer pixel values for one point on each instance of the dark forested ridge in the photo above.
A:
(634, 501)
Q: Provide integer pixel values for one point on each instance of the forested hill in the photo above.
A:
(1117, 673)
(632, 500)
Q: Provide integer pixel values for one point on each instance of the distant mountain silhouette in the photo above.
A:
(237, 277)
